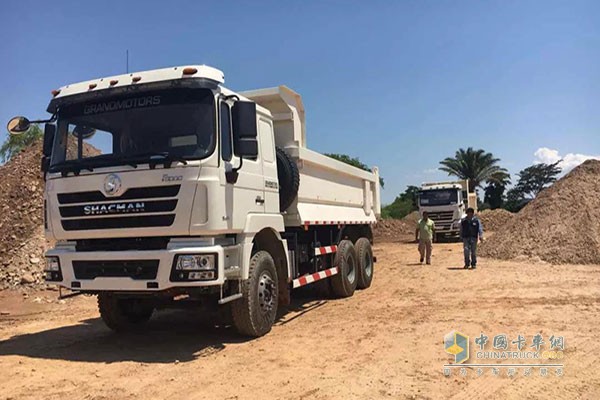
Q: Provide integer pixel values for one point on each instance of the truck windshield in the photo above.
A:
(438, 197)
(178, 124)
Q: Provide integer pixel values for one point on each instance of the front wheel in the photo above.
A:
(254, 314)
(124, 314)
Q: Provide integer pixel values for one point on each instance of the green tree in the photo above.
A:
(354, 161)
(477, 166)
(404, 204)
(494, 195)
(15, 143)
(532, 180)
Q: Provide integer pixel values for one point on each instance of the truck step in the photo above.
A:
(310, 278)
(230, 298)
(319, 251)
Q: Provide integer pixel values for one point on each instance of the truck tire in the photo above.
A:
(254, 314)
(289, 179)
(344, 282)
(123, 314)
(365, 263)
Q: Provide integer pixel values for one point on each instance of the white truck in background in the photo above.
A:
(446, 203)
(164, 188)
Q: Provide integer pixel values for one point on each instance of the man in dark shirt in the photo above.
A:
(471, 229)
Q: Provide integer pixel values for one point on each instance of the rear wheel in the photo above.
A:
(365, 262)
(344, 282)
(124, 314)
(254, 314)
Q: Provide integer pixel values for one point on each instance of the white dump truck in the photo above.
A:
(164, 188)
(446, 203)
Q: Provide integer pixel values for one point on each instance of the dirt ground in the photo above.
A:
(384, 342)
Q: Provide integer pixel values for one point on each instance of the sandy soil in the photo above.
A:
(384, 342)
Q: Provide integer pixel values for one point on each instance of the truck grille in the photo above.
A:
(130, 210)
(135, 269)
(444, 216)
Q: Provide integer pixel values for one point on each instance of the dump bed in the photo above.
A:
(331, 192)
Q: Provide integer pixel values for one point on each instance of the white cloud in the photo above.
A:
(569, 160)
(431, 171)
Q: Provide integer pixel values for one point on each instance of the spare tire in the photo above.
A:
(289, 179)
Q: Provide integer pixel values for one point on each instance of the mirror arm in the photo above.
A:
(232, 176)
(45, 121)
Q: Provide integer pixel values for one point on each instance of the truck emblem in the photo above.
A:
(112, 185)
(117, 208)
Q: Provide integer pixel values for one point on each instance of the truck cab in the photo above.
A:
(165, 187)
(446, 203)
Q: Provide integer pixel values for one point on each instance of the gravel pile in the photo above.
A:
(22, 243)
(561, 226)
(493, 220)
(395, 229)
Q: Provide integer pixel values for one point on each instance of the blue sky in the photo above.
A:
(400, 84)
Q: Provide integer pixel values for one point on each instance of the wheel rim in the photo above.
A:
(368, 265)
(351, 275)
(267, 293)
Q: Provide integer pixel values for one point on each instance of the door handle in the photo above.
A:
(260, 200)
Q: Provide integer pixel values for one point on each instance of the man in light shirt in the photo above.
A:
(424, 235)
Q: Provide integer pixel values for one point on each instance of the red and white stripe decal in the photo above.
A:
(319, 251)
(306, 223)
(310, 278)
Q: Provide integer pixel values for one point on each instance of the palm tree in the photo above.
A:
(477, 166)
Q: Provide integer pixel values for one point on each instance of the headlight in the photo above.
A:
(52, 264)
(52, 271)
(188, 262)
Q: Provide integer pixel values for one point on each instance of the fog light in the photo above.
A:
(189, 262)
(203, 275)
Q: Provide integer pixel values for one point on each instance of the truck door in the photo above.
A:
(247, 195)
(269, 164)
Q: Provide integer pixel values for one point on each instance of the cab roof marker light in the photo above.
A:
(55, 92)
(189, 71)
(92, 86)
(113, 82)
(136, 79)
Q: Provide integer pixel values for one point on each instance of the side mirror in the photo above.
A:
(18, 125)
(49, 131)
(243, 120)
(84, 132)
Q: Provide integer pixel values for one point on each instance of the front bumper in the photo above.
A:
(447, 227)
(163, 280)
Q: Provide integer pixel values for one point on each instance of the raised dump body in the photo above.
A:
(330, 192)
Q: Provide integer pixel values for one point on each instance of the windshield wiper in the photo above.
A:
(74, 166)
(155, 158)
